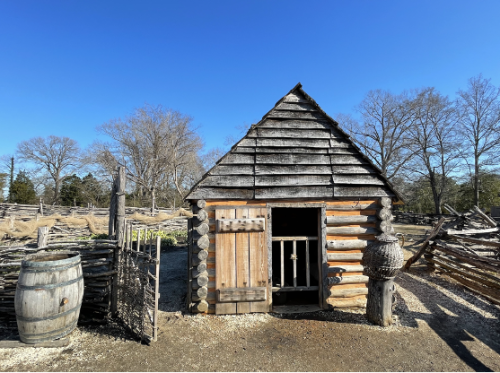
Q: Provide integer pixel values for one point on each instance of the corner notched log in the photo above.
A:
(379, 303)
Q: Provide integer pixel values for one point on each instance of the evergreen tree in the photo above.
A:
(22, 189)
(92, 191)
(71, 191)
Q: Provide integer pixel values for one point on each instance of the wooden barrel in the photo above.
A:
(49, 296)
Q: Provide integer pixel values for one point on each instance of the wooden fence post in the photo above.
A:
(119, 231)
(43, 235)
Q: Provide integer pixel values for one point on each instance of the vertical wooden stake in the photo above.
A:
(282, 263)
(157, 287)
(119, 232)
(308, 270)
(43, 236)
(41, 207)
(294, 264)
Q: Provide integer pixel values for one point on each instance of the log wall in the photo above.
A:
(349, 226)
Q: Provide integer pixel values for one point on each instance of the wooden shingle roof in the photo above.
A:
(295, 151)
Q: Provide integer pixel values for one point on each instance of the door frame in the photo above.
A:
(322, 257)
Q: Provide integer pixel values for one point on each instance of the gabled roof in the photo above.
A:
(295, 151)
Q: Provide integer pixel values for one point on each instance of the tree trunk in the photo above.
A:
(11, 178)
(379, 303)
(476, 181)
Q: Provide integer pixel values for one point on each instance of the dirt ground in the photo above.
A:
(438, 326)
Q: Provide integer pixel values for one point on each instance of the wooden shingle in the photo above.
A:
(295, 151)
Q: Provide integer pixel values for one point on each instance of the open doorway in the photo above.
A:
(295, 258)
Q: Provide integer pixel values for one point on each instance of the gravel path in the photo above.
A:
(438, 326)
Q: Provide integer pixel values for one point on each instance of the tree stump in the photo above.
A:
(379, 302)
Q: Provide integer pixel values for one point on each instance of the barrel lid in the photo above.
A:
(51, 259)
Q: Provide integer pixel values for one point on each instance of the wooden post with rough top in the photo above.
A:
(42, 238)
(119, 232)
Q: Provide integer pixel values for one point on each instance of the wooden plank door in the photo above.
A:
(225, 262)
(241, 263)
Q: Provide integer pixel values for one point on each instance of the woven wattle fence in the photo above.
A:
(97, 263)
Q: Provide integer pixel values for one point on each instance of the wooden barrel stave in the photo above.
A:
(49, 296)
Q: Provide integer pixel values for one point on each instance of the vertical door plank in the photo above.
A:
(225, 262)
(242, 261)
(258, 262)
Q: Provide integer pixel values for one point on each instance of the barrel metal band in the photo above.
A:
(31, 269)
(73, 324)
(52, 317)
(49, 286)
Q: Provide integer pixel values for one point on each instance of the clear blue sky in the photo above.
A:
(68, 66)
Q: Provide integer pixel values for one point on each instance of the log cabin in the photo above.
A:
(282, 220)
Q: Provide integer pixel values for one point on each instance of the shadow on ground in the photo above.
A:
(456, 326)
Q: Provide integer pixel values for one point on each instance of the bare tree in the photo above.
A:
(435, 141)
(383, 131)
(479, 112)
(7, 163)
(157, 146)
(59, 156)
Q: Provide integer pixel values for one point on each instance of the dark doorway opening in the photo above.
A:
(295, 256)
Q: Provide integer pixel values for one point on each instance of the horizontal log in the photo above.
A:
(209, 285)
(241, 225)
(333, 257)
(345, 268)
(208, 273)
(472, 231)
(469, 275)
(441, 246)
(209, 297)
(200, 307)
(351, 219)
(347, 293)
(475, 240)
(482, 290)
(351, 230)
(202, 229)
(347, 244)
(466, 266)
(338, 280)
